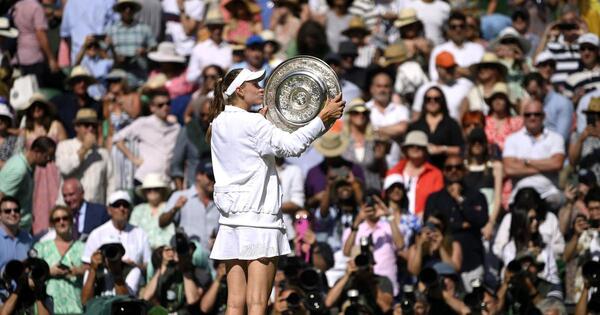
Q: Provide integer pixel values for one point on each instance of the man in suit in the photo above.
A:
(87, 215)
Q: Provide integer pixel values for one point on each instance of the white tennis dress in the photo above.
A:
(247, 189)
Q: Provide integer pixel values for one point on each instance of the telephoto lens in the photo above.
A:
(293, 300)
(112, 252)
(591, 273)
(407, 303)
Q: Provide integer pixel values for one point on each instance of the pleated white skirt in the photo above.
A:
(249, 243)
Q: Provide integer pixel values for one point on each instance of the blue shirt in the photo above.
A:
(265, 66)
(559, 114)
(14, 248)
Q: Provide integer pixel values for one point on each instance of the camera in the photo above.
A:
(309, 280)
(594, 224)
(365, 258)
(407, 303)
(591, 273)
(294, 301)
(113, 252)
(474, 300)
(591, 119)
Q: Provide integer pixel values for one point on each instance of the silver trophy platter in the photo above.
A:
(297, 90)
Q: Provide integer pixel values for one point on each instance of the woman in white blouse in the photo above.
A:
(247, 191)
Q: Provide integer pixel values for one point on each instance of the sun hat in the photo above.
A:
(86, 115)
(588, 38)
(6, 30)
(509, 33)
(416, 138)
(119, 195)
(332, 144)
(356, 25)
(166, 52)
(244, 76)
(357, 105)
(406, 16)
(269, 37)
(118, 6)
(445, 59)
(152, 180)
(38, 98)
(391, 180)
(116, 75)
(593, 106)
(80, 72)
(214, 17)
(490, 59)
(5, 111)
(542, 57)
(395, 53)
(252, 7)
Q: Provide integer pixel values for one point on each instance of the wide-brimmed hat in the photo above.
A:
(116, 75)
(406, 16)
(332, 144)
(214, 17)
(499, 88)
(39, 98)
(269, 37)
(490, 59)
(394, 53)
(80, 72)
(593, 106)
(416, 138)
(152, 180)
(6, 30)
(5, 111)
(294, 5)
(166, 53)
(357, 105)
(509, 34)
(118, 6)
(357, 25)
(157, 81)
(253, 8)
(86, 115)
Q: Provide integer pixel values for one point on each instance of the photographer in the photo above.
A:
(23, 288)
(584, 143)
(214, 300)
(289, 302)
(175, 285)
(585, 306)
(518, 293)
(306, 244)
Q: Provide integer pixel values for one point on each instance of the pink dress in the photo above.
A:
(495, 136)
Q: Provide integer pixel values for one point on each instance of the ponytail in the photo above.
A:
(220, 99)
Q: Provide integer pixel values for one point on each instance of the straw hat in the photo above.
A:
(416, 138)
(118, 6)
(38, 98)
(593, 106)
(395, 53)
(357, 105)
(86, 115)
(157, 81)
(80, 72)
(214, 17)
(510, 33)
(332, 144)
(356, 25)
(6, 30)
(152, 180)
(490, 59)
(166, 53)
(405, 17)
(252, 7)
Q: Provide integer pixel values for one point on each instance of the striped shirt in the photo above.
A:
(567, 61)
(587, 79)
(127, 39)
(366, 54)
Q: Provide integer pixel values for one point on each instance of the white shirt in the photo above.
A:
(454, 95)
(391, 115)
(192, 8)
(207, 53)
(522, 145)
(469, 53)
(133, 239)
(95, 172)
(409, 77)
(433, 15)
(244, 145)
(292, 189)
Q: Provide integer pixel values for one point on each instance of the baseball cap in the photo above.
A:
(445, 60)
(392, 179)
(586, 177)
(5, 111)
(255, 40)
(589, 38)
(119, 195)
(542, 57)
(205, 167)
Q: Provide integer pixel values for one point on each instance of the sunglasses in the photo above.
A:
(533, 114)
(63, 218)
(161, 105)
(437, 99)
(452, 167)
(301, 216)
(121, 204)
(155, 189)
(457, 26)
(9, 210)
(588, 48)
(414, 147)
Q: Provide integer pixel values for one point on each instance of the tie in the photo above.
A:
(75, 228)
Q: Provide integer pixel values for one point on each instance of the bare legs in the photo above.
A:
(249, 284)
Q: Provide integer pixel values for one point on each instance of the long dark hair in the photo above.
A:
(312, 40)
(46, 119)
(219, 101)
(520, 227)
(443, 103)
(528, 198)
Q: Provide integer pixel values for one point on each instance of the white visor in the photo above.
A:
(244, 76)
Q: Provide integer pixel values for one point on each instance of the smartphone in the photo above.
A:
(369, 201)
(567, 26)
(301, 226)
(63, 266)
(100, 37)
(591, 119)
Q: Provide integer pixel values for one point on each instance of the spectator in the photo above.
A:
(557, 108)
(8, 142)
(348, 52)
(455, 88)
(308, 246)
(26, 293)
(586, 78)
(15, 242)
(120, 104)
(285, 24)
(71, 102)
(82, 158)
(419, 176)
(364, 148)
(520, 22)
(545, 65)
(396, 198)
(465, 53)
(350, 90)
(433, 14)
(173, 66)
(182, 21)
(412, 33)
(272, 48)
(193, 209)
(337, 19)
(585, 146)
(244, 21)
(443, 132)
(17, 176)
(146, 215)
(254, 57)
(409, 74)
(63, 255)
(213, 50)
(357, 32)
(488, 72)
(155, 136)
(87, 216)
(470, 121)
(512, 49)
(312, 40)
(210, 75)
(533, 156)
(34, 54)
(500, 122)
(467, 213)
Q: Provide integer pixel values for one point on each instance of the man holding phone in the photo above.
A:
(584, 150)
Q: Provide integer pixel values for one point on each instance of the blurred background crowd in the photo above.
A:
(463, 178)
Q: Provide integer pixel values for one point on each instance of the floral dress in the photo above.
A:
(142, 217)
(66, 292)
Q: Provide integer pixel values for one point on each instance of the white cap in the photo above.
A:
(543, 57)
(589, 38)
(5, 111)
(119, 195)
(244, 76)
(391, 180)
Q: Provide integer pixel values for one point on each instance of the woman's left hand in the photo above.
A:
(263, 111)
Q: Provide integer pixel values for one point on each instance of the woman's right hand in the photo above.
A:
(333, 109)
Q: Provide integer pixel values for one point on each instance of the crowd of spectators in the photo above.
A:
(463, 178)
